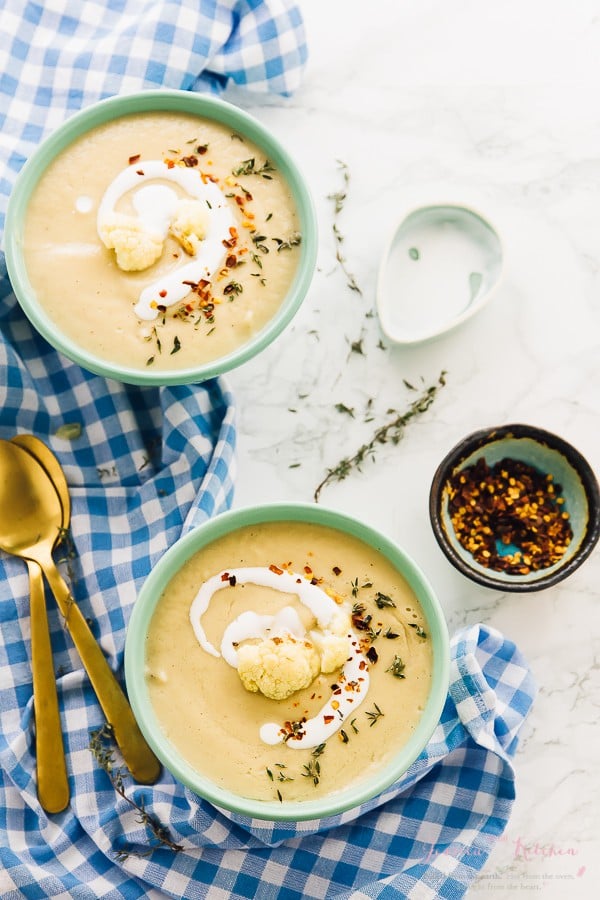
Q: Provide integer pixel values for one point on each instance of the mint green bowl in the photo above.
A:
(151, 101)
(149, 596)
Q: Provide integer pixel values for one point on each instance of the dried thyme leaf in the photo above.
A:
(397, 667)
(249, 167)
(421, 633)
(382, 600)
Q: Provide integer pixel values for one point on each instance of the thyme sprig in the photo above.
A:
(392, 431)
(312, 769)
(101, 749)
(339, 198)
(374, 716)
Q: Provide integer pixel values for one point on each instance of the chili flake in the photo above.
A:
(509, 516)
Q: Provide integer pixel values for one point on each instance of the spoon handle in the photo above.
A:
(138, 756)
(52, 780)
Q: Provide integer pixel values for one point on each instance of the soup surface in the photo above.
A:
(269, 597)
(161, 240)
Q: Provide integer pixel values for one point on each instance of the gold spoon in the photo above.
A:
(30, 520)
(52, 780)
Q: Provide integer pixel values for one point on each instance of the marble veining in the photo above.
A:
(498, 108)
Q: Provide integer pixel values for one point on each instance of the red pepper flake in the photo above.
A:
(276, 569)
(162, 293)
(190, 161)
(328, 719)
(293, 730)
(362, 665)
(225, 576)
(372, 655)
(134, 159)
(201, 149)
(308, 570)
(139, 171)
(513, 505)
(170, 163)
(298, 581)
(336, 570)
(231, 261)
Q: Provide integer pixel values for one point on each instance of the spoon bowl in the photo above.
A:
(48, 461)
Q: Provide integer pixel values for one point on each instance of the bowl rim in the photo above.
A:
(480, 438)
(333, 804)
(118, 106)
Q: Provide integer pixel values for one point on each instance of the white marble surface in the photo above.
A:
(496, 104)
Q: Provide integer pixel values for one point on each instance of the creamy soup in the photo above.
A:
(286, 661)
(161, 240)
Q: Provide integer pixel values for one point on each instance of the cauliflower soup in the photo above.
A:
(161, 240)
(287, 660)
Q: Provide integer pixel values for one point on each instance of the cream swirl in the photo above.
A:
(156, 204)
(353, 681)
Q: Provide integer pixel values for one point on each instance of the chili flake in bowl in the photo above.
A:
(515, 508)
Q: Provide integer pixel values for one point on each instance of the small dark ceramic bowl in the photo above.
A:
(547, 454)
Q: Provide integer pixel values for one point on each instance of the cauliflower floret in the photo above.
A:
(189, 224)
(333, 650)
(278, 666)
(136, 248)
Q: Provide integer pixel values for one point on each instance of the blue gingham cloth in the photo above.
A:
(426, 837)
(145, 465)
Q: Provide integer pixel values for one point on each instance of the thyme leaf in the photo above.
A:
(421, 633)
(397, 667)
(382, 600)
(293, 241)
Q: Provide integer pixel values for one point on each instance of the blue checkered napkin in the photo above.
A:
(57, 56)
(426, 837)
